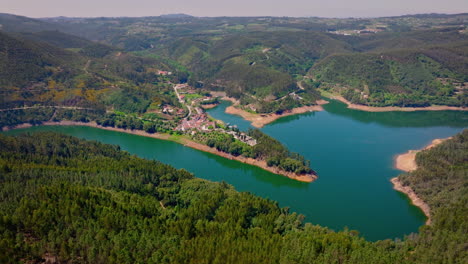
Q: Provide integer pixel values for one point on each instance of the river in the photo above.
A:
(352, 151)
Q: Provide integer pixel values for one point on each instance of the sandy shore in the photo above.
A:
(208, 106)
(259, 120)
(407, 162)
(395, 108)
(186, 142)
(413, 197)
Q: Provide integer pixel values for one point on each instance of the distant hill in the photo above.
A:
(176, 16)
(406, 40)
(261, 60)
(434, 15)
(253, 67)
(14, 23)
(57, 38)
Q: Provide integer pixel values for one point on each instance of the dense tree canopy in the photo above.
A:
(68, 200)
(65, 199)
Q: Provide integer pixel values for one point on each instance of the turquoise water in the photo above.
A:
(352, 151)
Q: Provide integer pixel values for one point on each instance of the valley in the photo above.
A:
(280, 136)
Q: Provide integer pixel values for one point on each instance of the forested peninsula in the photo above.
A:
(269, 155)
(57, 71)
(367, 108)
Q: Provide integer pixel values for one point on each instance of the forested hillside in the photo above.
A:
(65, 199)
(68, 200)
(87, 74)
(24, 63)
(58, 39)
(94, 82)
(441, 180)
(405, 77)
(396, 61)
(257, 68)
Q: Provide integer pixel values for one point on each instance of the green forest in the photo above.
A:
(69, 200)
(103, 62)
(407, 78)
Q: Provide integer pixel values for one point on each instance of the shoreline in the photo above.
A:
(415, 200)
(395, 108)
(184, 141)
(260, 120)
(209, 106)
(407, 162)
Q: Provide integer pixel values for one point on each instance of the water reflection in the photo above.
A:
(401, 119)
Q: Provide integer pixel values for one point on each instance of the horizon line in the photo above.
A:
(221, 16)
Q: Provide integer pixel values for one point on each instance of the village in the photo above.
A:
(356, 32)
(198, 120)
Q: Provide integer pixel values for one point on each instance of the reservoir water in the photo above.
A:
(352, 151)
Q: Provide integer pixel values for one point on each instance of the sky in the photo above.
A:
(293, 8)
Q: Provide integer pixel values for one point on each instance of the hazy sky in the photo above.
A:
(322, 8)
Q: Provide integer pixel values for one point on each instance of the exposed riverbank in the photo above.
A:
(397, 185)
(396, 108)
(184, 141)
(208, 106)
(260, 120)
(407, 162)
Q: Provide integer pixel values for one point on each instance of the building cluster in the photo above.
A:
(184, 89)
(181, 85)
(241, 136)
(295, 96)
(198, 122)
(170, 110)
(366, 31)
(164, 73)
(201, 123)
(460, 86)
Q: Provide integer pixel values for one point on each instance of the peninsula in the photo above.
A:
(395, 108)
(260, 120)
(261, 163)
(407, 162)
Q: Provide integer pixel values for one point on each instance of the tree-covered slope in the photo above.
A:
(14, 23)
(441, 180)
(23, 62)
(70, 200)
(405, 77)
(90, 75)
(257, 68)
(58, 39)
(402, 61)
(403, 40)
(288, 52)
